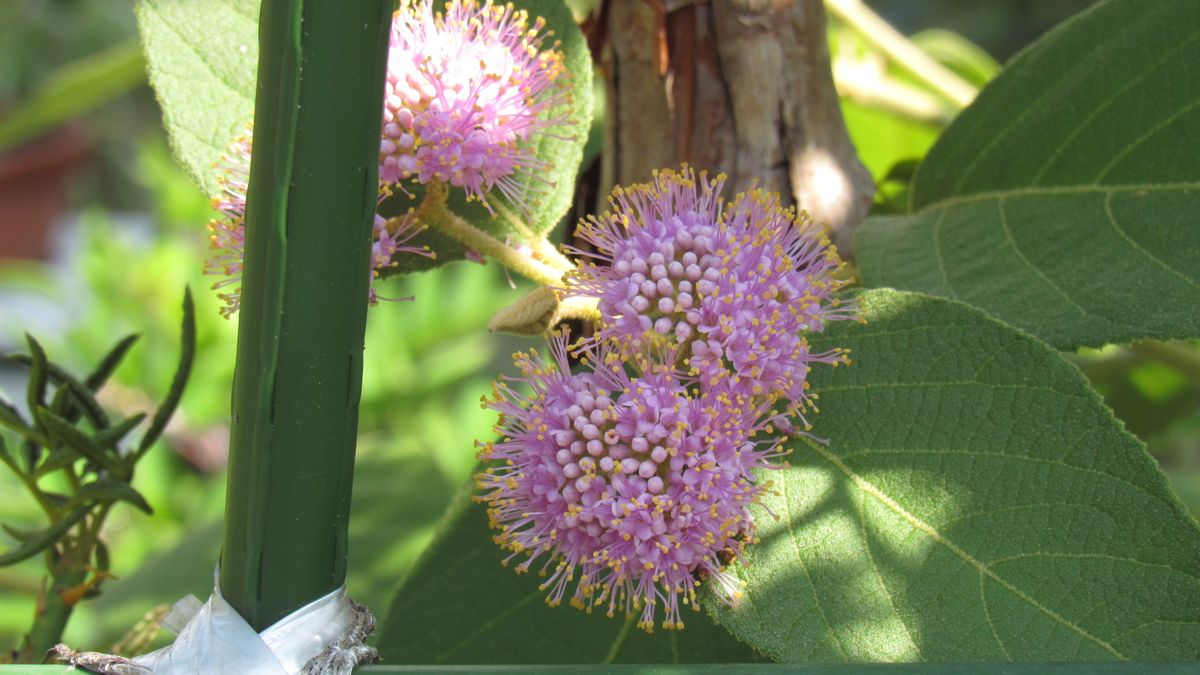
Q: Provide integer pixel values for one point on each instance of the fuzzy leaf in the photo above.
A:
(460, 606)
(1064, 199)
(202, 59)
(110, 362)
(975, 502)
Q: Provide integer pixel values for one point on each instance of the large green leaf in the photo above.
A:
(975, 501)
(202, 59)
(1064, 199)
(460, 606)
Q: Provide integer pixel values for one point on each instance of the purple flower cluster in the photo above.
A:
(466, 90)
(632, 480)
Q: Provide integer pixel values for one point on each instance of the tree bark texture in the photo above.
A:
(742, 87)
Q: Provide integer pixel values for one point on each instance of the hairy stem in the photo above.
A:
(434, 213)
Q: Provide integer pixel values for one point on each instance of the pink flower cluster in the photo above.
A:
(633, 479)
(466, 90)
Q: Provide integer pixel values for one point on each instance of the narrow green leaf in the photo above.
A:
(460, 605)
(975, 501)
(187, 354)
(110, 362)
(79, 394)
(56, 459)
(38, 378)
(20, 534)
(110, 437)
(42, 540)
(63, 431)
(1064, 199)
(107, 491)
(10, 416)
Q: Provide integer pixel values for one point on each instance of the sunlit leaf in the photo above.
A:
(1064, 199)
(975, 501)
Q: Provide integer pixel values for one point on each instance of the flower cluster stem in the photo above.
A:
(435, 213)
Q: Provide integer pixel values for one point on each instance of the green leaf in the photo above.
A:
(63, 431)
(975, 501)
(38, 377)
(1064, 199)
(187, 354)
(73, 90)
(110, 362)
(110, 437)
(459, 605)
(77, 394)
(42, 540)
(107, 491)
(201, 58)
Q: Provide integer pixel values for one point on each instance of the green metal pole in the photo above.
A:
(313, 184)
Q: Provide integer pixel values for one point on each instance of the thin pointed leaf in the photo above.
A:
(107, 491)
(79, 393)
(103, 561)
(11, 417)
(186, 356)
(19, 533)
(38, 543)
(110, 362)
(57, 459)
(35, 392)
(65, 432)
(110, 437)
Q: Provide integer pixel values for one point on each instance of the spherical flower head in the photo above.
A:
(733, 286)
(466, 91)
(623, 485)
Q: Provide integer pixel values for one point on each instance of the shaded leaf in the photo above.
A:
(109, 363)
(43, 539)
(38, 377)
(78, 393)
(1061, 201)
(110, 437)
(459, 605)
(975, 501)
(107, 491)
(63, 431)
(187, 354)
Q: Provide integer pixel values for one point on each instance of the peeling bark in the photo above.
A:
(742, 87)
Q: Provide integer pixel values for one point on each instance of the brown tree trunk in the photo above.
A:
(736, 86)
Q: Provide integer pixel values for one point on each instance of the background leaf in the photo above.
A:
(1064, 199)
(976, 501)
(202, 60)
(460, 606)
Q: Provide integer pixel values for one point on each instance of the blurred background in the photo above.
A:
(124, 233)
